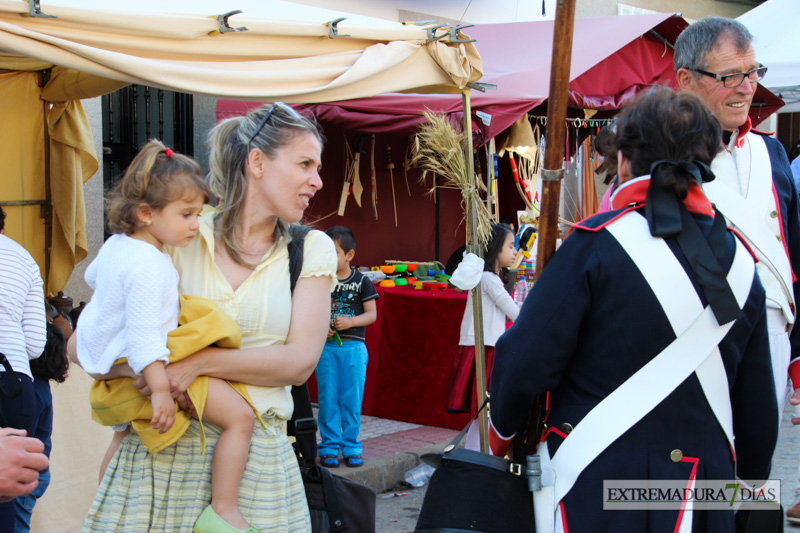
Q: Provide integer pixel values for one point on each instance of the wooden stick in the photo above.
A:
(373, 179)
(326, 216)
(473, 246)
(357, 187)
(406, 164)
(390, 166)
(347, 186)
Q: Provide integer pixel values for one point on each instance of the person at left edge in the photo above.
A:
(23, 334)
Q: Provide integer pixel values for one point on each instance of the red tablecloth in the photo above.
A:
(411, 347)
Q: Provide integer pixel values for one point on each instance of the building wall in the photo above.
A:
(494, 11)
(205, 117)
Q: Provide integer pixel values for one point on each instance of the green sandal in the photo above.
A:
(210, 522)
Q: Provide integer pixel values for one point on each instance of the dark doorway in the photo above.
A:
(133, 115)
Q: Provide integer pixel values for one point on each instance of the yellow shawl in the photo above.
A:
(116, 401)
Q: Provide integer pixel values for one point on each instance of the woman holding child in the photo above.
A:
(265, 169)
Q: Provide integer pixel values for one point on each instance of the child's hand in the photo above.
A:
(331, 331)
(163, 411)
(342, 323)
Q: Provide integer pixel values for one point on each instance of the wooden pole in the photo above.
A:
(527, 441)
(556, 131)
(477, 304)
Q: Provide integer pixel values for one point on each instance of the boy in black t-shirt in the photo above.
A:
(342, 368)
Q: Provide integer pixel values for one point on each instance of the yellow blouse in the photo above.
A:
(262, 305)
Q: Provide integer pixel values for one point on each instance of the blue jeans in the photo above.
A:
(341, 373)
(18, 413)
(44, 428)
(24, 504)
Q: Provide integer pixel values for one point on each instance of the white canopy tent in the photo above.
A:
(777, 44)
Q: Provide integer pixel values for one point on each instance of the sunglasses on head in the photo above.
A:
(268, 114)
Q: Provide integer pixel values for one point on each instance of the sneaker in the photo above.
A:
(329, 461)
(354, 461)
(793, 514)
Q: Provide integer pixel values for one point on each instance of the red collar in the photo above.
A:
(743, 130)
(635, 192)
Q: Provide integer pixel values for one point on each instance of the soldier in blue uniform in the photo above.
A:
(601, 312)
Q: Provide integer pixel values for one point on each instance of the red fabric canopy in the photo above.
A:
(610, 56)
(613, 58)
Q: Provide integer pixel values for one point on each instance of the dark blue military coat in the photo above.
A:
(591, 322)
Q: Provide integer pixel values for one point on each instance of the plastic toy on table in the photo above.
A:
(435, 285)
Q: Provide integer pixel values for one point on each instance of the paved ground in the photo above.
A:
(786, 461)
(391, 448)
(397, 511)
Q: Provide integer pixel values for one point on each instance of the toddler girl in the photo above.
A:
(497, 305)
(135, 305)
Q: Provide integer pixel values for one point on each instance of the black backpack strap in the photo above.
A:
(303, 425)
(334, 508)
(298, 234)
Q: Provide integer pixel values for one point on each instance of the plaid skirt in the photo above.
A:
(165, 492)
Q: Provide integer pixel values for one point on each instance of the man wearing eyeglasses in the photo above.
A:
(754, 189)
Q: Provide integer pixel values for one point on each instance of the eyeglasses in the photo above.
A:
(734, 80)
(268, 114)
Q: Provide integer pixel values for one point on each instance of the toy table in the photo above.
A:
(411, 347)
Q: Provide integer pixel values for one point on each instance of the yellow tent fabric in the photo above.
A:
(25, 107)
(72, 162)
(117, 401)
(22, 154)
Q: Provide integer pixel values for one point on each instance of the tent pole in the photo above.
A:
(526, 441)
(47, 209)
(553, 171)
(474, 247)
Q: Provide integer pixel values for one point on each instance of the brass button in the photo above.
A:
(566, 427)
(779, 238)
(774, 214)
(676, 456)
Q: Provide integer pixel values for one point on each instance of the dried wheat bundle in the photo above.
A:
(439, 149)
